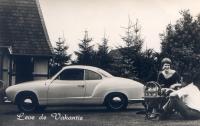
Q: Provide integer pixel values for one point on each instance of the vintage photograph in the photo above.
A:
(100, 62)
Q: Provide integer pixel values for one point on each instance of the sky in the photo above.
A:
(70, 18)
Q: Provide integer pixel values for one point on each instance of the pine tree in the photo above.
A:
(132, 36)
(181, 42)
(103, 57)
(86, 53)
(130, 54)
(61, 57)
(149, 65)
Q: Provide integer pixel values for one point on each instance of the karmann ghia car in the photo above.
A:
(76, 85)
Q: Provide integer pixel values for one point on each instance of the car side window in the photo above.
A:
(90, 75)
(72, 74)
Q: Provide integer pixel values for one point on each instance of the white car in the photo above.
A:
(76, 84)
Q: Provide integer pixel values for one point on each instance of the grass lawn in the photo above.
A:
(85, 116)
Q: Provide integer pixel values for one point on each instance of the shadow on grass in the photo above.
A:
(12, 109)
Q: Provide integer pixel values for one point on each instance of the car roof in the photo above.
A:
(82, 67)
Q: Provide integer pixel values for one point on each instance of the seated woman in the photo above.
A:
(168, 77)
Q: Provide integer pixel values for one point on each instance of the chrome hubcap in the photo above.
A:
(116, 102)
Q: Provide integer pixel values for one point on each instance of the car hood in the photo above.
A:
(28, 85)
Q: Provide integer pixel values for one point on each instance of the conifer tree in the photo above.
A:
(60, 56)
(128, 65)
(86, 53)
(103, 57)
(181, 43)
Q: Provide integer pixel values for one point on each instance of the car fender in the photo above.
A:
(25, 91)
(39, 89)
(12, 92)
(132, 89)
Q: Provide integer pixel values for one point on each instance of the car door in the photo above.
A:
(67, 88)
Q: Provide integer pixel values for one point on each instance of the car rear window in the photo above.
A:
(90, 75)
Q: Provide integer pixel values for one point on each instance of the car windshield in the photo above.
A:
(104, 73)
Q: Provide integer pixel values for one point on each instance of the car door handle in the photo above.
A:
(81, 86)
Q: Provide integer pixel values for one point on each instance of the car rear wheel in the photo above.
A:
(116, 102)
(27, 103)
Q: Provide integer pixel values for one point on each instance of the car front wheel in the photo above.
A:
(116, 101)
(27, 103)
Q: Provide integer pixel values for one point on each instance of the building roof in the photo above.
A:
(22, 28)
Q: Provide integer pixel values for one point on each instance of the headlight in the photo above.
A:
(10, 93)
